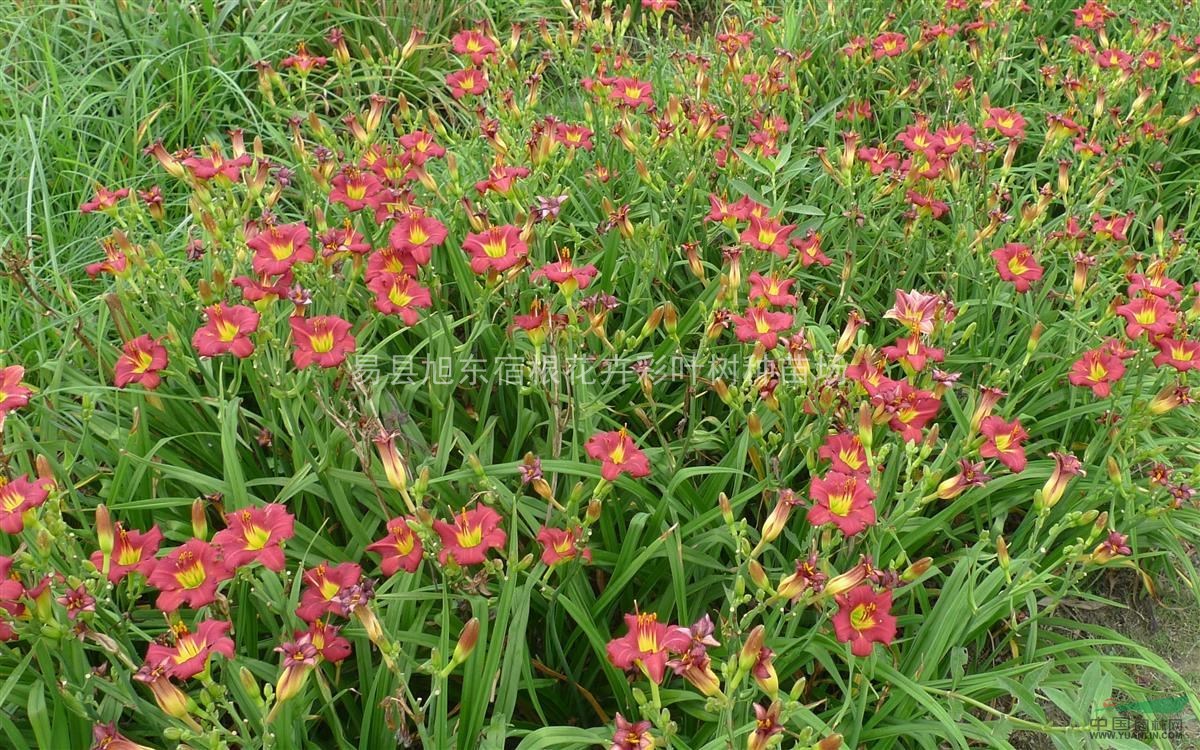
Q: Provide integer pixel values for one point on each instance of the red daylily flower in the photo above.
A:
(279, 247)
(228, 330)
(103, 200)
(325, 639)
(420, 146)
(1005, 122)
(562, 545)
(768, 234)
(417, 234)
(630, 735)
(1004, 442)
(573, 136)
(619, 455)
(912, 350)
(844, 500)
(479, 46)
(472, 534)
(189, 657)
(189, 575)
(391, 262)
(356, 189)
(910, 408)
(18, 496)
(399, 295)
(864, 618)
(400, 549)
(647, 644)
(341, 241)
(133, 552)
(1097, 369)
(255, 534)
(1182, 354)
(263, 288)
(1111, 227)
(214, 163)
(809, 247)
(106, 737)
(322, 585)
(303, 61)
(1016, 264)
(324, 341)
(631, 93)
(915, 310)
(500, 179)
(761, 325)
(140, 362)
(13, 394)
(1152, 315)
(846, 452)
(467, 82)
(889, 44)
(772, 289)
(496, 249)
(569, 277)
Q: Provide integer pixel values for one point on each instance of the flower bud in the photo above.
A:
(748, 656)
(199, 519)
(466, 642)
(105, 534)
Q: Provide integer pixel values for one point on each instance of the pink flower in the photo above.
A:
(467, 82)
(479, 46)
(322, 585)
(228, 330)
(761, 325)
(631, 93)
(417, 235)
(400, 549)
(773, 289)
(189, 657)
(356, 189)
(864, 618)
(1151, 315)
(1097, 369)
(1016, 264)
(13, 394)
(844, 500)
(140, 362)
(1006, 122)
(189, 575)
(618, 454)
(889, 44)
(399, 295)
(646, 645)
(18, 496)
(561, 545)
(496, 249)
(133, 552)
(103, 200)
(846, 452)
(768, 234)
(279, 247)
(1004, 441)
(323, 341)
(468, 539)
(255, 534)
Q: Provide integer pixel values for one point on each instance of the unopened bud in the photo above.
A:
(199, 519)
